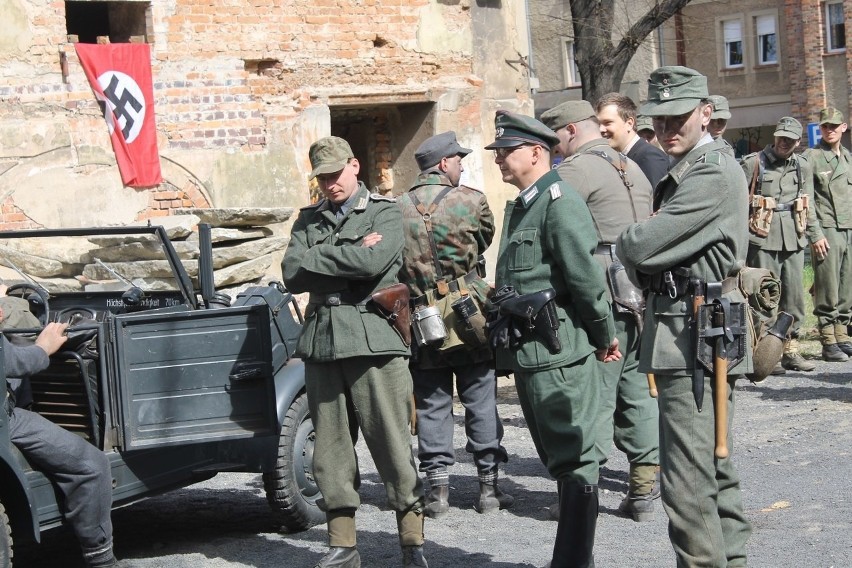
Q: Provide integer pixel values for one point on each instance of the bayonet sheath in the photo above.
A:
(698, 368)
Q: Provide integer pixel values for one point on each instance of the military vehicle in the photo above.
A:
(172, 380)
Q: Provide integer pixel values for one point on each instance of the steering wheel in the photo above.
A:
(72, 315)
(41, 300)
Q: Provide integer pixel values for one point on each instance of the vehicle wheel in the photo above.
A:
(291, 489)
(5, 539)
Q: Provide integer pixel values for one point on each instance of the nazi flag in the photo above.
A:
(120, 77)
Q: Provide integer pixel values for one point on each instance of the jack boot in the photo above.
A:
(844, 342)
(341, 541)
(792, 360)
(410, 527)
(578, 518)
(491, 498)
(100, 557)
(437, 501)
(638, 504)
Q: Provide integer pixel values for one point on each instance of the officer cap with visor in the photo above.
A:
(438, 147)
(514, 130)
(673, 91)
(329, 155)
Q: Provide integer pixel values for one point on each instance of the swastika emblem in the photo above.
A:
(125, 100)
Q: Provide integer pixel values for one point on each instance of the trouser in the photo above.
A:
(833, 279)
(628, 414)
(79, 469)
(789, 267)
(701, 494)
(560, 407)
(379, 390)
(477, 390)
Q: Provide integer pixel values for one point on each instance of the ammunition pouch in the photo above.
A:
(452, 316)
(800, 213)
(761, 211)
(393, 304)
(535, 315)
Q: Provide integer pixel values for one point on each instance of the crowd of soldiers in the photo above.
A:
(606, 263)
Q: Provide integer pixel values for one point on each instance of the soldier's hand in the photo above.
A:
(609, 354)
(820, 248)
(52, 337)
(371, 240)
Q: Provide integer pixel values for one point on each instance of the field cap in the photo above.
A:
(567, 113)
(721, 108)
(644, 123)
(830, 115)
(329, 155)
(438, 147)
(674, 90)
(788, 127)
(516, 129)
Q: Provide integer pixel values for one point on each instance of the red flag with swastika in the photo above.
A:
(120, 76)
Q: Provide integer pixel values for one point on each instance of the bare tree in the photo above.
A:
(600, 61)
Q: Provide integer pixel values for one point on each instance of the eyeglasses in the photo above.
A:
(503, 152)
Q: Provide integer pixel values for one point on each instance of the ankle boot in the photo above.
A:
(437, 501)
(844, 342)
(792, 360)
(638, 504)
(491, 498)
(340, 557)
(575, 535)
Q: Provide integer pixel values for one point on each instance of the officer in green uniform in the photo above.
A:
(618, 194)
(831, 165)
(698, 231)
(547, 242)
(447, 250)
(342, 249)
(778, 173)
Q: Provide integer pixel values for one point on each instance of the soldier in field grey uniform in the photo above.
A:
(699, 231)
(779, 173)
(618, 194)
(462, 227)
(342, 249)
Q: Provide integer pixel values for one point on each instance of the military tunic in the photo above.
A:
(354, 360)
(833, 205)
(548, 240)
(783, 250)
(628, 414)
(463, 228)
(701, 225)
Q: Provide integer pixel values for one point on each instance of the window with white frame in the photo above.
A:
(767, 39)
(572, 74)
(835, 27)
(732, 32)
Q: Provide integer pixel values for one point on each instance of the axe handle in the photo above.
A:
(412, 420)
(652, 385)
(720, 399)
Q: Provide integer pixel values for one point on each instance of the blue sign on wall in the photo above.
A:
(814, 135)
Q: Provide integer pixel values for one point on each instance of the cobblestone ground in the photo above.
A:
(793, 439)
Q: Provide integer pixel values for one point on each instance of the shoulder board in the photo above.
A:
(555, 191)
(380, 197)
(714, 158)
(312, 205)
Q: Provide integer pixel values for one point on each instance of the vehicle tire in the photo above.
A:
(5, 539)
(291, 489)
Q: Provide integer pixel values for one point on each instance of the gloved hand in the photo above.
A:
(501, 331)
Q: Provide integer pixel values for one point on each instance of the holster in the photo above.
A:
(626, 296)
(393, 305)
(535, 314)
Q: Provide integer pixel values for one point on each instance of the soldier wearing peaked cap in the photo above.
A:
(697, 238)
(442, 249)
(342, 250)
(785, 178)
(546, 256)
(618, 194)
(831, 240)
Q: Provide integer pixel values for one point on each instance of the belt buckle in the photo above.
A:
(333, 300)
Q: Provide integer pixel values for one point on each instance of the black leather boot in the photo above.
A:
(578, 518)
(437, 501)
(340, 557)
(100, 557)
(491, 498)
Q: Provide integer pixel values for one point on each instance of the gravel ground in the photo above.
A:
(793, 438)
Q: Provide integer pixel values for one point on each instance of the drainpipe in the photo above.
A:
(533, 80)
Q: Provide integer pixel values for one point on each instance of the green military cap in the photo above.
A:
(438, 147)
(721, 108)
(788, 127)
(329, 155)
(830, 115)
(673, 91)
(516, 129)
(567, 113)
(644, 123)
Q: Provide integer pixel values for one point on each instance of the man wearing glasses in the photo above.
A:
(546, 258)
